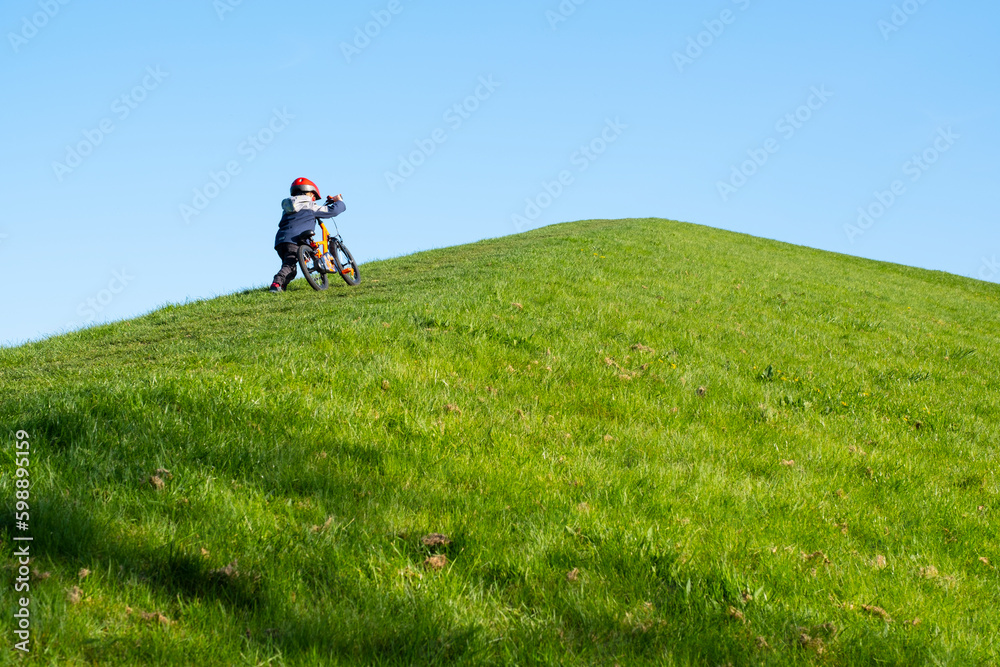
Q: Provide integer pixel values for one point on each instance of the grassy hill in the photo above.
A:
(648, 443)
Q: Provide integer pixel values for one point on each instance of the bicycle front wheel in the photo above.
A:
(312, 269)
(346, 266)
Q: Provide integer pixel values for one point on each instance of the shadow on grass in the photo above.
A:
(64, 532)
(382, 629)
(642, 606)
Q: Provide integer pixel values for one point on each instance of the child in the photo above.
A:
(298, 221)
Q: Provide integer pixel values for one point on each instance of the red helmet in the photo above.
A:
(303, 186)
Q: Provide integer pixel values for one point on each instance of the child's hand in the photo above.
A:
(331, 200)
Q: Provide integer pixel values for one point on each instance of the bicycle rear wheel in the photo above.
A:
(344, 261)
(312, 269)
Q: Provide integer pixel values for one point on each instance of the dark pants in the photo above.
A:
(289, 254)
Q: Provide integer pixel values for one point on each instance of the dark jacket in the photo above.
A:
(299, 215)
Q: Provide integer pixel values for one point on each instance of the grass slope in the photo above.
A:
(649, 442)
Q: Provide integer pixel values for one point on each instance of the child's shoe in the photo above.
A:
(276, 288)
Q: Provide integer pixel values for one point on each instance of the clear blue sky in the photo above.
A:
(103, 236)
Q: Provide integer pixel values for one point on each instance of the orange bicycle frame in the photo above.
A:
(323, 249)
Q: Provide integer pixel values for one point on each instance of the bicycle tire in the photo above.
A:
(351, 277)
(317, 278)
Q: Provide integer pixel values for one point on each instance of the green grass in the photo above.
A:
(602, 416)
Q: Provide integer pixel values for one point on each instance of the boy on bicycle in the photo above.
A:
(298, 222)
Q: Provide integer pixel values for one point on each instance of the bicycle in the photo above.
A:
(330, 255)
